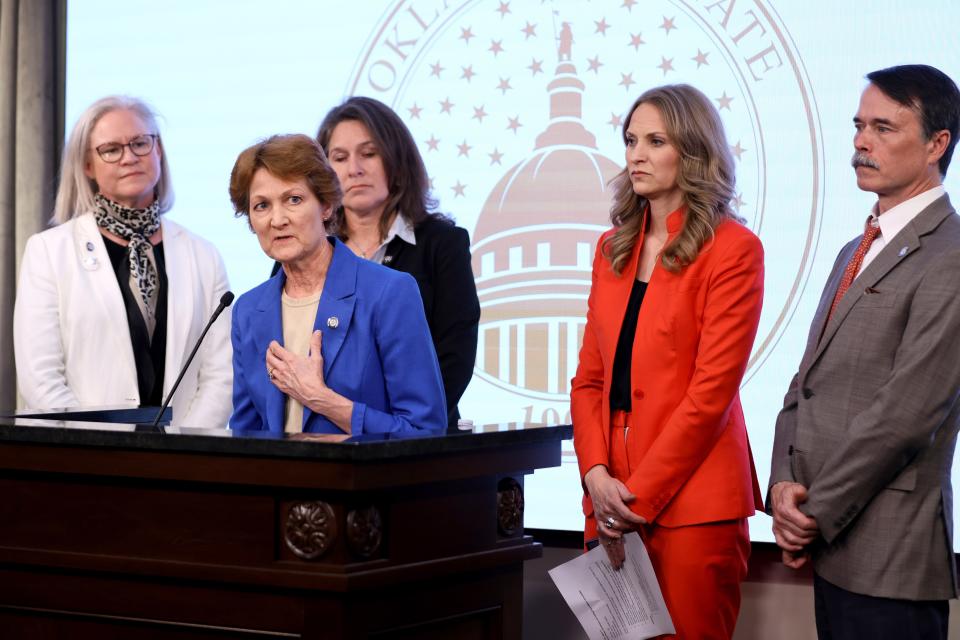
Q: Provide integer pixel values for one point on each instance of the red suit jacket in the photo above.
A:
(694, 335)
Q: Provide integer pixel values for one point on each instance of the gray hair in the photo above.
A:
(76, 191)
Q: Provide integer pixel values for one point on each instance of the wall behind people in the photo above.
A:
(471, 81)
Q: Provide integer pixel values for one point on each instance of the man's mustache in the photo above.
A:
(863, 160)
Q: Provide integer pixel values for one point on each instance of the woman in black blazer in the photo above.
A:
(387, 217)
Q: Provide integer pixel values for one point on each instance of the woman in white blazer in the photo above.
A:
(111, 300)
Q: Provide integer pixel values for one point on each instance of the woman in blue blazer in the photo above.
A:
(332, 343)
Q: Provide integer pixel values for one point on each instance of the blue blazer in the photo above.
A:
(379, 353)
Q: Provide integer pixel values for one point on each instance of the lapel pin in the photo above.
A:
(333, 322)
(903, 251)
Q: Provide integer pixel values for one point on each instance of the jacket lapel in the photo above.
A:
(180, 310)
(620, 292)
(95, 261)
(609, 313)
(893, 253)
(826, 300)
(887, 259)
(394, 251)
(266, 327)
(335, 310)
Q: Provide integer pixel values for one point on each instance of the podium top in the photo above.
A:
(366, 447)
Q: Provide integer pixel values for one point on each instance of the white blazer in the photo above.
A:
(70, 333)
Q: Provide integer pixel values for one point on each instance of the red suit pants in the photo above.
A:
(699, 567)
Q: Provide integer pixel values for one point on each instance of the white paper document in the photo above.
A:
(614, 605)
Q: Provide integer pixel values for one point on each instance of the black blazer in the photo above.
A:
(440, 263)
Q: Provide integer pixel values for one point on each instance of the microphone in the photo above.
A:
(225, 301)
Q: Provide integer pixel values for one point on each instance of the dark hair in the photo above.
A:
(288, 157)
(407, 181)
(930, 93)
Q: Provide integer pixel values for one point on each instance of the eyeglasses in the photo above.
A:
(139, 146)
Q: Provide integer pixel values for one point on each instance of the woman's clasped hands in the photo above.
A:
(611, 500)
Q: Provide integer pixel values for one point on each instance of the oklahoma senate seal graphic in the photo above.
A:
(518, 107)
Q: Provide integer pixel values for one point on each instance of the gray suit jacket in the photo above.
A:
(870, 420)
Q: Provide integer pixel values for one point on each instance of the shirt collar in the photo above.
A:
(401, 228)
(892, 221)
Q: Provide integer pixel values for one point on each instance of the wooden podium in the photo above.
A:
(111, 532)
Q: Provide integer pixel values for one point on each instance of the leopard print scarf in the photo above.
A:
(135, 226)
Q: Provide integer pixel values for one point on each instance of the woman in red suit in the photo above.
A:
(673, 311)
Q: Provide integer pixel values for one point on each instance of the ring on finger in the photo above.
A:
(611, 521)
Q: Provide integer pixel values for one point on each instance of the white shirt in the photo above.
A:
(400, 227)
(894, 220)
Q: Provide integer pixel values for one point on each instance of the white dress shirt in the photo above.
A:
(892, 221)
(400, 227)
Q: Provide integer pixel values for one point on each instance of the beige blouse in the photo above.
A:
(298, 316)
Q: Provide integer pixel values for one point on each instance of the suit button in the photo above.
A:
(790, 450)
(638, 394)
(807, 394)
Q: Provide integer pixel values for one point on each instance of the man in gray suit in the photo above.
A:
(860, 476)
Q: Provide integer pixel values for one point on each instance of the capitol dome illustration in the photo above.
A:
(533, 250)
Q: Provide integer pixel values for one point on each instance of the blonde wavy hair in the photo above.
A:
(705, 176)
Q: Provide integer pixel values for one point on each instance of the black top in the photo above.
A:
(620, 397)
(441, 264)
(149, 355)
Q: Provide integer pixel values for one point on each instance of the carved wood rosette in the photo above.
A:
(509, 507)
(364, 531)
(310, 529)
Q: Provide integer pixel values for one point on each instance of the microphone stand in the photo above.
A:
(225, 301)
